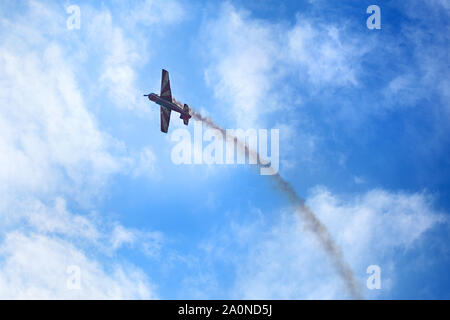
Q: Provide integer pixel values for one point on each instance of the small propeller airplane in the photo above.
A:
(167, 104)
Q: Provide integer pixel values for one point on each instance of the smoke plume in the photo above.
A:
(312, 222)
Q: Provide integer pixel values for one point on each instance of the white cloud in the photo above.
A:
(261, 70)
(47, 135)
(52, 150)
(399, 217)
(118, 74)
(251, 60)
(424, 41)
(40, 242)
(56, 220)
(145, 163)
(243, 53)
(151, 12)
(277, 258)
(123, 46)
(35, 266)
(148, 242)
(264, 73)
(319, 50)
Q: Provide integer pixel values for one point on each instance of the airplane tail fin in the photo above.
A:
(186, 116)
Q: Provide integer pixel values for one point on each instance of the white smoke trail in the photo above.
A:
(312, 222)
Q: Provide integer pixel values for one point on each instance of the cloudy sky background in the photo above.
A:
(86, 177)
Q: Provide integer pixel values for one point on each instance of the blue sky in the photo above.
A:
(87, 179)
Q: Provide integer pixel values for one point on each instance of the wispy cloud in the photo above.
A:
(53, 152)
(276, 259)
(35, 266)
(252, 59)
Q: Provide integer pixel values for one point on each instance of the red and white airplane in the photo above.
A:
(167, 104)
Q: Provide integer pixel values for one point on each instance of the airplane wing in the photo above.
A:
(165, 119)
(165, 94)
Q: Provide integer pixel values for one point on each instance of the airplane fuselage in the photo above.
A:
(167, 104)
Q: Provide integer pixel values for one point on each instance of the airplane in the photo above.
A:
(167, 104)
